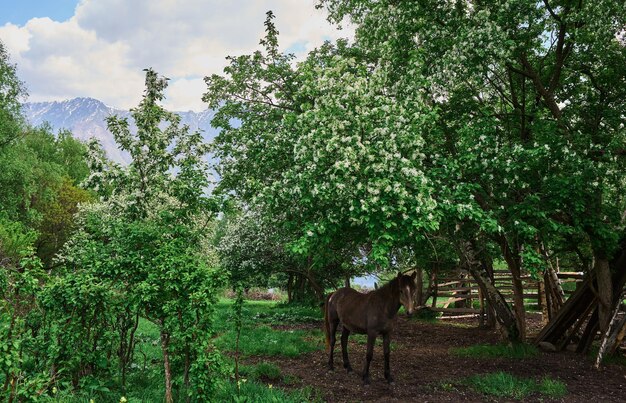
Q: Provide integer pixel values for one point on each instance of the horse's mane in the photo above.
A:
(390, 285)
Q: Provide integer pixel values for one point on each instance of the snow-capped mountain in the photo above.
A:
(85, 118)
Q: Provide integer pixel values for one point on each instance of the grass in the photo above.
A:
(265, 312)
(263, 370)
(515, 351)
(264, 393)
(263, 340)
(504, 385)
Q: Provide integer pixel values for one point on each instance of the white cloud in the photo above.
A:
(102, 50)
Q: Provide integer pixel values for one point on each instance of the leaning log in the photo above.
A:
(583, 304)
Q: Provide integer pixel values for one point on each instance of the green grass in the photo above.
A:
(504, 385)
(265, 312)
(263, 340)
(264, 393)
(263, 370)
(516, 351)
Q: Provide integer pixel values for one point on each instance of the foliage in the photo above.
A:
(524, 140)
(139, 252)
(12, 91)
(325, 149)
(505, 385)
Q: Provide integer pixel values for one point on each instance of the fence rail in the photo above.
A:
(463, 292)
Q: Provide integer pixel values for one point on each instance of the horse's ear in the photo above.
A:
(414, 275)
(399, 274)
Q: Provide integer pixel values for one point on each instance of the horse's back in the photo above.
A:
(350, 307)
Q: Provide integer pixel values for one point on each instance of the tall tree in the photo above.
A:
(326, 148)
(530, 137)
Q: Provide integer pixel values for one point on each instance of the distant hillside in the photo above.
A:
(85, 118)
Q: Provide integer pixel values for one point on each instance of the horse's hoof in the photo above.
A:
(391, 381)
(349, 369)
(366, 382)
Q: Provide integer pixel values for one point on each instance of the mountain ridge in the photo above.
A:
(86, 118)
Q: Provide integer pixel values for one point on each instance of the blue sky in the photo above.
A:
(18, 12)
(99, 48)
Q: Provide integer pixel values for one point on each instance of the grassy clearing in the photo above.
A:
(265, 312)
(515, 351)
(504, 385)
(257, 335)
(263, 340)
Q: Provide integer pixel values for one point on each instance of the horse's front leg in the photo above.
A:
(386, 350)
(344, 348)
(371, 339)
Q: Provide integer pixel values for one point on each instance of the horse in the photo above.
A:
(373, 313)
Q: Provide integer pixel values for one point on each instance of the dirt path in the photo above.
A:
(424, 370)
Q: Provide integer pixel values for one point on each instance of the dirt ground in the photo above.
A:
(425, 371)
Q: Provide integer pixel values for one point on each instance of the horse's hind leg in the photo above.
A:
(371, 339)
(344, 348)
(334, 323)
(386, 350)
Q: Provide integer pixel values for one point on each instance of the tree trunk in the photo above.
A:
(165, 339)
(605, 291)
(419, 283)
(514, 263)
(434, 283)
(486, 264)
(504, 315)
(479, 270)
(289, 288)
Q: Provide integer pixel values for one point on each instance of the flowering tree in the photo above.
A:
(528, 146)
(144, 240)
(326, 148)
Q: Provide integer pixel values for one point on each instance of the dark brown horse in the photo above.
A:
(373, 313)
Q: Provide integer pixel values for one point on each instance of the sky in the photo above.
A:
(99, 48)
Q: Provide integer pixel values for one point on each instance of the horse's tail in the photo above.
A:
(327, 321)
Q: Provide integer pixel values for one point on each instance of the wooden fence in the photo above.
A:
(462, 296)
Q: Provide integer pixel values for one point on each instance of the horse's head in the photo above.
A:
(408, 289)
